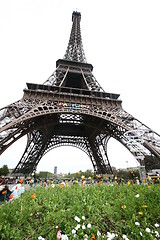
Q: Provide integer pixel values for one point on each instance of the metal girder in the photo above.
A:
(100, 154)
(62, 72)
(32, 154)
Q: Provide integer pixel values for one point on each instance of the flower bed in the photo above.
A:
(83, 212)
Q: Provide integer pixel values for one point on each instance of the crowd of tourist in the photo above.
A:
(18, 184)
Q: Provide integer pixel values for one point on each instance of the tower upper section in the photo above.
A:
(73, 74)
(75, 50)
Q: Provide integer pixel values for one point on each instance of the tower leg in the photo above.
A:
(32, 154)
(98, 148)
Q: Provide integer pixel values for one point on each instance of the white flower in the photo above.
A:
(85, 237)
(111, 235)
(141, 234)
(41, 238)
(73, 231)
(157, 234)
(83, 218)
(98, 234)
(137, 223)
(137, 196)
(78, 226)
(156, 225)
(83, 227)
(77, 219)
(125, 237)
(148, 230)
(89, 225)
(56, 226)
(64, 237)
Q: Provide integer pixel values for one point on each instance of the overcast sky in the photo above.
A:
(121, 39)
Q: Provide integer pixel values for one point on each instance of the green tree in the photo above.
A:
(151, 162)
(87, 173)
(128, 174)
(4, 170)
(44, 175)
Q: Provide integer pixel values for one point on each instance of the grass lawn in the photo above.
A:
(89, 212)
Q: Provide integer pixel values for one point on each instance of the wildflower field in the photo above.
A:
(90, 212)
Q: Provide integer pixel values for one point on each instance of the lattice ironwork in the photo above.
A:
(67, 69)
(75, 50)
(71, 108)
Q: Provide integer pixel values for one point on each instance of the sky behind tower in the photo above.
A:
(120, 39)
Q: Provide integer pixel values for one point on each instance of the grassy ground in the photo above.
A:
(89, 212)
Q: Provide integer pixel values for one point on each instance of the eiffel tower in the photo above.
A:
(71, 108)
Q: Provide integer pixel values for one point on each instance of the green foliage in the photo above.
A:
(128, 174)
(87, 174)
(113, 209)
(4, 170)
(44, 175)
(151, 162)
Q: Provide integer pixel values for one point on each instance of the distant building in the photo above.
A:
(55, 170)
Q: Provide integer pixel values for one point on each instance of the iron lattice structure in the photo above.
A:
(71, 108)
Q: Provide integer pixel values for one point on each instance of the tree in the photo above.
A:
(128, 174)
(151, 162)
(44, 175)
(4, 170)
(87, 173)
